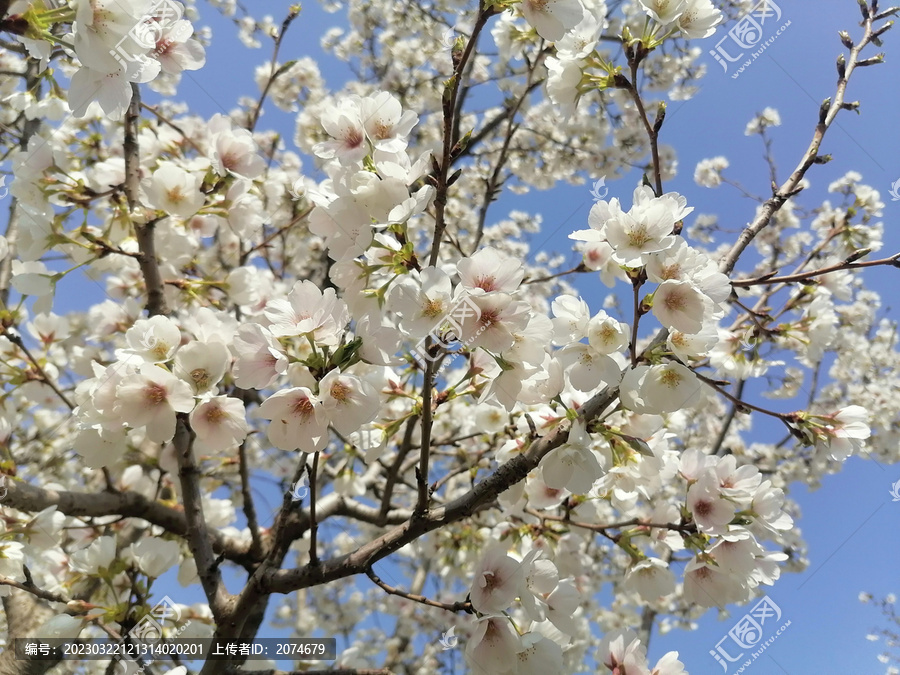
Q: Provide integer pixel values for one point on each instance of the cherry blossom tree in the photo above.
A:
(370, 344)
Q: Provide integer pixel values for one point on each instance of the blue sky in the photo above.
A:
(850, 523)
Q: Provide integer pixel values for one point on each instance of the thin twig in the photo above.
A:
(460, 606)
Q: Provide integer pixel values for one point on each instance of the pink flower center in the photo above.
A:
(353, 138)
(703, 508)
(303, 407)
(486, 282)
(155, 394)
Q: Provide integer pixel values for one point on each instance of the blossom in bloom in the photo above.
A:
(843, 432)
(493, 647)
(99, 555)
(220, 424)
(680, 306)
(174, 190)
(767, 505)
(496, 581)
(11, 560)
(154, 555)
(588, 368)
(562, 604)
(297, 420)
(711, 511)
(43, 530)
(706, 585)
(348, 401)
(176, 51)
(112, 91)
(664, 11)
(386, 124)
(202, 365)
(669, 665)
(650, 578)
(345, 126)
(606, 335)
(669, 387)
(571, 319)
(490, 321)
(769, 117)
(150, 398)
(260, 358)
(563, 79)
(622, 652)
(580, 41)
(540, 579)
(422, 299)
(552, 18)
(346, 226)
(538, 655)
(698, 19)
(489, 270)
(309, 312)
(233, 150)
(107, 37)
(709, 172)
(154, 339)
(574, 465)
(642, 230)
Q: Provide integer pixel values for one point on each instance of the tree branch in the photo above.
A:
(464, 606)
(198, 532)
(791, 187)
(31, 499)
(485, 492)
(156, 300)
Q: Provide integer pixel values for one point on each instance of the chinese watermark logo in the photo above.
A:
(147, 34)
(448, 640)
(3, 489)
(298, 190)
(600, 190)
(3, 189)
(300, 489)
(747, 34)
(150, 630)
(894, 191)
(747, 633)
(443, 337)
(148, 340)
(895, 492)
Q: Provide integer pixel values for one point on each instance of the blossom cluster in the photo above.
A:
(117, 43)
(372, 311)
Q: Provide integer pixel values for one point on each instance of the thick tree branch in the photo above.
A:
(219, 599)
(31, 499)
